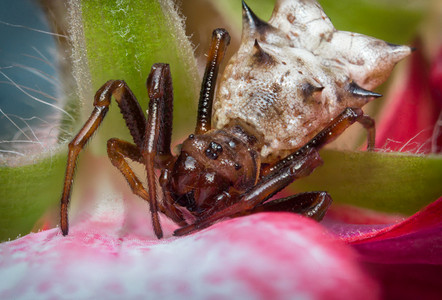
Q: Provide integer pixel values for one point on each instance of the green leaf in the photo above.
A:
(111, 40)
(389, 182)
(26, 193)
(122, 40)
(231, 10)
(395, 21)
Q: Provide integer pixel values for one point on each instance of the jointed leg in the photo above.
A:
(329, 134)
(163, 93)
(220, 40)
(311, 204)
(369, 125)
(264, 190)
(276, 177)
(118, 151)
(157, 136)
(135, 120)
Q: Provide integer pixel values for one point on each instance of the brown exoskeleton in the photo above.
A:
(294, 86)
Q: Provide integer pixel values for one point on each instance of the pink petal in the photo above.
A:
(264, 256)
(410, 118)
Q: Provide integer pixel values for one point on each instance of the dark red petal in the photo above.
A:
(436, 78)
(407, 260)
(409, 119)
(436, 92)
(406, 257)
(429, 217)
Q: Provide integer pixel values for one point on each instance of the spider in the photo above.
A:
(232, 169)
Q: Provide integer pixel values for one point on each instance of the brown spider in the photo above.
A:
(221, 173)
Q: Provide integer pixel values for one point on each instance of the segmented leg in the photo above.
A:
(159, 85)
(135, 121)
(220, 40)
(118, 151)
(263, 190)
(334, 129)
(274, 178)
(158, 130)
(369, 125)
(313, 205)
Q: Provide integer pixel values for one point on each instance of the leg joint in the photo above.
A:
(104, 94)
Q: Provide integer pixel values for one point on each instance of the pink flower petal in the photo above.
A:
(272, 255)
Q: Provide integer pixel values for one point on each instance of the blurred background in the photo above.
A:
(29, 78)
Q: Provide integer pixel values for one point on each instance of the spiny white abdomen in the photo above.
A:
(291, 76)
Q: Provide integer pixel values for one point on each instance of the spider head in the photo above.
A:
(208, 165)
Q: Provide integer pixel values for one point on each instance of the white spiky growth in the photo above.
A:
(294, 74)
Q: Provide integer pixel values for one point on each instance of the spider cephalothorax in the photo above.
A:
(294, 85)
(210, 164)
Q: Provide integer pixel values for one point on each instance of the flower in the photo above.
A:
(257, 257)
(278, 255)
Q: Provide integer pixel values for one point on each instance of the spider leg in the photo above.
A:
(311, 204)
(263, 190)
(333, 130)
(118, 151)
(135, 121)
(275, 177)
(159, 85)
(220, 40)
(369, 125)
(156, 146)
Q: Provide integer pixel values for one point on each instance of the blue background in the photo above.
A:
(25, 47)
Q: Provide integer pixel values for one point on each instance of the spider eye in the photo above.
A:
(214, 150)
